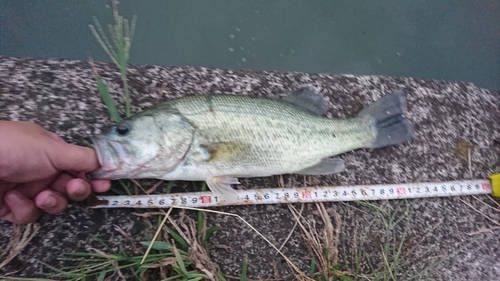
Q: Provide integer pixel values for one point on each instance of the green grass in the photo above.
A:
(325, 266)
(168, 260)
(108, 100)
(386, 265)
(322, 244)
(8, 278)
(244, 266)
(121, 33)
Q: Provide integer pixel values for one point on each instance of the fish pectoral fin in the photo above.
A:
(325, 167)
(221, 186)
(226, 151)
(308, 99)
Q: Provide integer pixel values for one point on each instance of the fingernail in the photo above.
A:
(49, 202)
(4, 210)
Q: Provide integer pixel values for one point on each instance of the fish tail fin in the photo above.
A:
(392, 128)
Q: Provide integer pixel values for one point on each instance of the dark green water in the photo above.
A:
(450, 40)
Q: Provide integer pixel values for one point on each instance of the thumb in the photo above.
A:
(75, 158)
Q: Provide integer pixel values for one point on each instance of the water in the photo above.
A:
(450, 40)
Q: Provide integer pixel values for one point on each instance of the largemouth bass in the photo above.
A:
(220, 138)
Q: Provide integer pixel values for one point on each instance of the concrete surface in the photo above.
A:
(62, 96)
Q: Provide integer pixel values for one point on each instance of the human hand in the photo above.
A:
(40, 171)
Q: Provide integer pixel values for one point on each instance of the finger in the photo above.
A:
(75, 158)
(101, 185)
(78, 189)
(55, 137)
(51, 202)
(60, 183)
(31, 189)
(22, 209)
(4, 187)
(4, 210)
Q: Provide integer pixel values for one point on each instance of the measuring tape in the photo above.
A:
(305, 194)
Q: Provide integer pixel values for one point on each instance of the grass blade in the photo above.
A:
(102, 243)
(108, 100)
(175, 277)
(158, 245)
(23, 278)
(178, 238)
(345, 278)
(103, 40)
(170, 185)
(313, 267)
(126, 186)
(101, 276)
(210, 232)
(180, 262)
(220, 276)
(243, 276)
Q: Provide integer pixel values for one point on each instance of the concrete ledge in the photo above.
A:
(61, 96)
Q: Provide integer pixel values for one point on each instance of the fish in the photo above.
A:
(218, 138)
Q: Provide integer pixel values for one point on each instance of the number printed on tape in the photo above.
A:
(299, 195)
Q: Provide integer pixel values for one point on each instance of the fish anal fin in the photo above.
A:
(326, 166)
(221, 186)
(308, 99)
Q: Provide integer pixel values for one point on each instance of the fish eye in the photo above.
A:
(122, 129)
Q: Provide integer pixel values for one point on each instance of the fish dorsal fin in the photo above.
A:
(308, 99)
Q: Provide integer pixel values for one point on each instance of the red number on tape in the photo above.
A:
(306, 194)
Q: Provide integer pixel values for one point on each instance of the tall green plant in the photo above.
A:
(121, 34)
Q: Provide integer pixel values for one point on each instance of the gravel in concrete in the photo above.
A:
(443, 238)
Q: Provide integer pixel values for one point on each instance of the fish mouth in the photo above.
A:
(109, 154)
